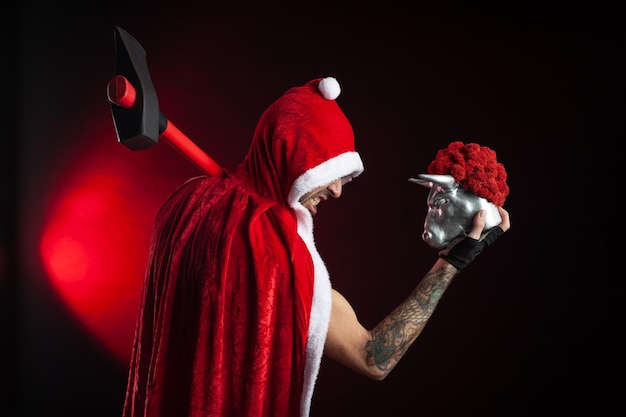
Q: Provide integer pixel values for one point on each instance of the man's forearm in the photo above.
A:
(395, 333)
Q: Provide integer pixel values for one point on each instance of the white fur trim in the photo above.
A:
(346, 166)
(320, 310)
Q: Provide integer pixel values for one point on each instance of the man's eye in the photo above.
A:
(440, 202)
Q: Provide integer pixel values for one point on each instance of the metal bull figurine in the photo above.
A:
(451, 209)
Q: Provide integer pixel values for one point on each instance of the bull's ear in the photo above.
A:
(427, 180)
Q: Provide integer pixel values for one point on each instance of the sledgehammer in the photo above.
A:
(138, 121)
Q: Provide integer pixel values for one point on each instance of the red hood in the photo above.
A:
(301, 142)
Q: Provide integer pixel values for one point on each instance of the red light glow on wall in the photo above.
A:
(94, 244)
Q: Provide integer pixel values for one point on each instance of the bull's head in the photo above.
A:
(451, 209)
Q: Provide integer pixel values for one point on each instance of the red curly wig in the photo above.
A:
(475, 168)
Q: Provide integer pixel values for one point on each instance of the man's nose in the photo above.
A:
(335, 188)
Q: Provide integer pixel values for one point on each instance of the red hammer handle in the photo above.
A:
(121, 92)
(184, 145)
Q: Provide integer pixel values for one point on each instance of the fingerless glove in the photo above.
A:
(467, 249)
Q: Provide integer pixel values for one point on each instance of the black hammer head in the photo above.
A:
(137, 126)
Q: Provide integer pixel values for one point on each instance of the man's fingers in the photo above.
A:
(478, 225)
(506, 221)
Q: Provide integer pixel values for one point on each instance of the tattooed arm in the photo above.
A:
(374, 353)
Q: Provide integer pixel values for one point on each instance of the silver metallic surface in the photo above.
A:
(451, 209)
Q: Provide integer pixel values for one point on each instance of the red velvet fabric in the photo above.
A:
(225, 307)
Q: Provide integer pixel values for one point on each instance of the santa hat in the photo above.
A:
(325, 130)
(302, 141)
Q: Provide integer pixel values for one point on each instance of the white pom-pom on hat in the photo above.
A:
(329, 88)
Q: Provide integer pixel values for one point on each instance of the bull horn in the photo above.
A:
(427, 180)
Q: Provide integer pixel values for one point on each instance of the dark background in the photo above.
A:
(535, 327)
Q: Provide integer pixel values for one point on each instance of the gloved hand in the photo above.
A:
(465, 250)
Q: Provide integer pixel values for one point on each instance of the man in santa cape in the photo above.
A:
(237, 307)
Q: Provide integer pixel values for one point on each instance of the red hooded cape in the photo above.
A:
(236, 299)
